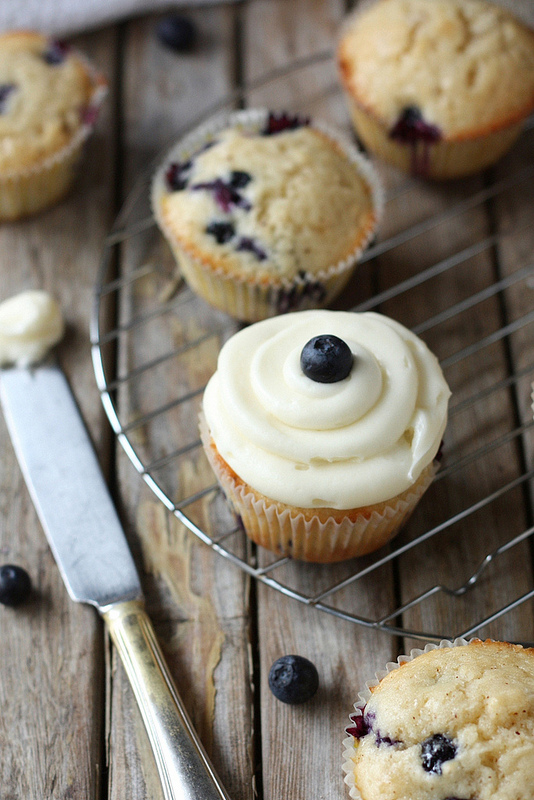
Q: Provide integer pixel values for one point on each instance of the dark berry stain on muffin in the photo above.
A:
(56, 53)
(435, 751)
(239, 179)
(277, 123)
(177, 175)
(292, 297)
(411, 127)
(360, 726)
(365, 724)
(249, 245)
(221, 231)
(224, 194)
(5, 90)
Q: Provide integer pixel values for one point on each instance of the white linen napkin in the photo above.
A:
(66, 17)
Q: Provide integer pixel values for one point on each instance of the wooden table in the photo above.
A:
(69, 727)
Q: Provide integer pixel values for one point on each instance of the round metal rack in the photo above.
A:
(154, 345)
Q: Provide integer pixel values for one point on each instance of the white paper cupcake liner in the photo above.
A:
(246, 298)
(315, 535)
(446, 159)
(29, 190)
(365, 694)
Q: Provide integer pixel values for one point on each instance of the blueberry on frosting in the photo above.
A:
(435, 751)
(326, 359)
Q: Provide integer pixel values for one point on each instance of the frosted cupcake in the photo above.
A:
(49, 99)
(454, 722)
(322, 428)
(440, 88)
(266, 213)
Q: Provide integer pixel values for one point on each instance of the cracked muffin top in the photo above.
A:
(465, 66)
(454, 723)
(45, 93)
(270, 202)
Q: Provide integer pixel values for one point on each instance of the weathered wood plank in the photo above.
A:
(199, 603)
(346, 655)
(52, 657)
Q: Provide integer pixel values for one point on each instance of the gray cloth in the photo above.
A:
(66, 17)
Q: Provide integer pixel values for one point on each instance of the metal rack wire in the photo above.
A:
(163, 328)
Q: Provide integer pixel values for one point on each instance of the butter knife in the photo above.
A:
(76, 511)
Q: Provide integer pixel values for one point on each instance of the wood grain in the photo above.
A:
(52, 655)
(199, 605)
(69, 726)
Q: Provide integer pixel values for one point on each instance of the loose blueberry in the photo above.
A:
(177, 175)
(247, 244)
(5, 91)
(222, 231)
(435, 751)
(277, 123)
(15, 585)
(56, 53)
(293, 679)
(411, 127)
(239, 179)
(177, 32)
(326, 359)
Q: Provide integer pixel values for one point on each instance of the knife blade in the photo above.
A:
(83, 529)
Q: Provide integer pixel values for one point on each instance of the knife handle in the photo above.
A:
(183, 765)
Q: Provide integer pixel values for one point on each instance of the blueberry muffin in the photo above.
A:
(265, 213)
(322, 428)
(453, 723)
(440, 88)
(49, 98)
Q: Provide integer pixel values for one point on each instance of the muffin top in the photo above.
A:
(342, 423)
(45, 89)
(465, 67)
(455, 722)
(267, 201)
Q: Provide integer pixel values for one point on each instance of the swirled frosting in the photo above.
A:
(343, 445)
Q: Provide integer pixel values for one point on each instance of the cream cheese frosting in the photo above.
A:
(343, 445)
(30, 324)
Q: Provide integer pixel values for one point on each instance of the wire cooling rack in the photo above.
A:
(464, 281)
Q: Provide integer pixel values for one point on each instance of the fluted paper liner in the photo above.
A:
(441, 160)
(316, 534)
(245, 298)
(365, 694)
(27, 191)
